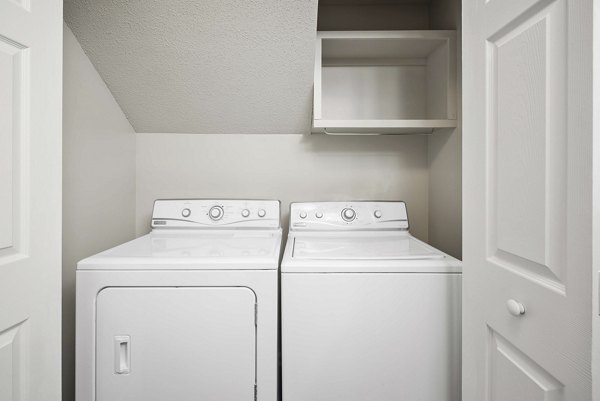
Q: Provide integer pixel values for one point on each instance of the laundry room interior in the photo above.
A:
(133, 128)
(299, 200)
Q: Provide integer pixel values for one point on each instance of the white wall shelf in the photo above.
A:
(384, 82)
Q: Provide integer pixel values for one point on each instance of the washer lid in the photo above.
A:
(363, 248)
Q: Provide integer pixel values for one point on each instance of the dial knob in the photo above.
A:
(348, 214)
(186, 212)
(303, 214)
(262, 213)
(245, 213)
(319, 215)
(215, 213)
(377, 214)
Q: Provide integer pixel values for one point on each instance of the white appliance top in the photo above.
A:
(348, 216)
(243, 235)
(215, 213)
(363, 248)
(358, 237)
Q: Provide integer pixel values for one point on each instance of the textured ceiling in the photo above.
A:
(203, 66)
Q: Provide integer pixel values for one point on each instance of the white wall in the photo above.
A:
(285, 167)
(98, 180)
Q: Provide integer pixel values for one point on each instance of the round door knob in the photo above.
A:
(515, 307)
(319, 215)
(348, 214)
(262, 213)
(245, 213)
(377, 214)
(215, 213)
(303, 215)
(186, 212)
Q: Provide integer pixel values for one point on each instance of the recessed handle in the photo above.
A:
(122, 354)
(515, 307)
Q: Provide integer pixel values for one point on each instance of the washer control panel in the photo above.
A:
(358, 215)
(211, 213)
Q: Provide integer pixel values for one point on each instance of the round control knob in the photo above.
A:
(348, 214)
(377, 214)
(319, 215)
(215, 213)
(262, 213)
(186, 212)
(245, 213)
(303, 214)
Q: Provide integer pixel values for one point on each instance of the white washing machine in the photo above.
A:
(368, 311)
(187, 312)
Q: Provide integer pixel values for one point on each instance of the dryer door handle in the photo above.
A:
(122, 354)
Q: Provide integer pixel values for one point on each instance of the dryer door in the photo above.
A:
(175, 343)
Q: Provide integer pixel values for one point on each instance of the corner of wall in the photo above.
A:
(98, 180)
(445, 153)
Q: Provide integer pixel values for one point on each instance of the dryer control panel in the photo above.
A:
(215, 213)
(351, 215)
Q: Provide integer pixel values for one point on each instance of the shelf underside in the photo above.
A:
(379, 127)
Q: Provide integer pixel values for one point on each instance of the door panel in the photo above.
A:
(515, 377)
(14, 65)
(527, 199)
(30, 198)
(6, 139)
(12, 363)
(526, 122)
(187, 344)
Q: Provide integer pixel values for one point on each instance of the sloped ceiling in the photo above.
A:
(203, 66)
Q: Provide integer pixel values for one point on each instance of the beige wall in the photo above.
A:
(445, 155)
(285, 167)
(98, 180)
(445, 191)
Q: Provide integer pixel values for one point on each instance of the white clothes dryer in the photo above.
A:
(186, 312)
(368, 311)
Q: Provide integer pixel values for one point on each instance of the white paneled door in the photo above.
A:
(30, 198)
(527, 199)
